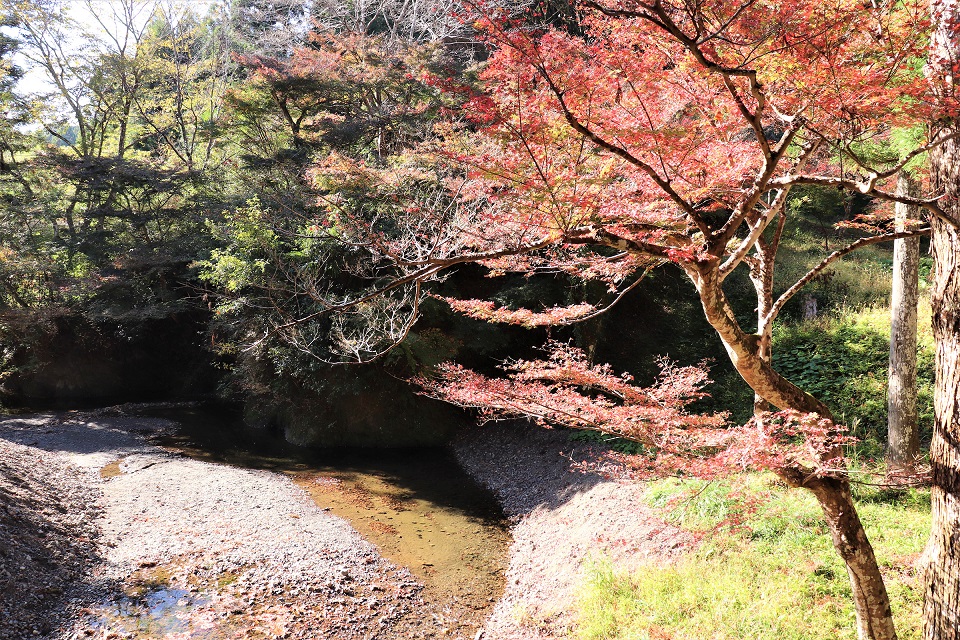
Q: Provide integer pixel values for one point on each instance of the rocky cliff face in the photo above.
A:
(386, 414)
(71, 359)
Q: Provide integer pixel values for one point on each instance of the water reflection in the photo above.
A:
(158, 613)
(417, 505)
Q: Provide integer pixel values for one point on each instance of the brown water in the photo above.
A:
(417, 505)
(112, 470)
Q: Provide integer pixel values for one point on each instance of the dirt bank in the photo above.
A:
(565, 519)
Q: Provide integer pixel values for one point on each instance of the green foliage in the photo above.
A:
(764, 570)
(842, 359)
(249, 238)
(423, 350)
(901, 142)
(860, 279)
(362, 95)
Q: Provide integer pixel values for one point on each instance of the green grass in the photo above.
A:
(765, 567)
(841, 358)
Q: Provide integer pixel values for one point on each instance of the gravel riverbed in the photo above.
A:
(106, 535)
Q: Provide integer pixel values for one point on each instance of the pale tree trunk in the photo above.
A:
(761, 275)
(903, 438)
(874, 616)
(941, 609)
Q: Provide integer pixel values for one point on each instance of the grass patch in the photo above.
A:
(621, 445)
(765, 569)
(226, 579)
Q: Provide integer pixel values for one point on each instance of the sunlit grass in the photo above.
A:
(765, 567)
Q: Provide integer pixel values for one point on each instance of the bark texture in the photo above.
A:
(941, 611)
(942, 598)
(874, 616)
(745, 349)
(903, 439)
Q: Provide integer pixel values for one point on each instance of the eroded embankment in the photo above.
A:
(569, 510)
(47, 537)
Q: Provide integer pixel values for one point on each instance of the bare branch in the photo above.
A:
(869, 188)
(619, 151)
(836, 255)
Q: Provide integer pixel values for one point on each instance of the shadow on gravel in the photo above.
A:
(217, 434)
(48, 551)
(76, 433)
(417, 505)
(535, 467)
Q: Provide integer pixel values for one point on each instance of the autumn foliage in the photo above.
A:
(667, 127)
(566, 390)
(643, 132)
(343, 90)
(661, 131)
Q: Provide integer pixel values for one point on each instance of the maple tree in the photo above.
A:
(672, 132)
(643, 132)
(345, 90)
(675, 132)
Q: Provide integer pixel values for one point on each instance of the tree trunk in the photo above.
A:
(942, 603)
(761, 275)
(903, 438)
(874, 618)
(941, 609)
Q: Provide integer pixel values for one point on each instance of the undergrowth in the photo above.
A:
(620, 445)
(842, 360)
(765, 567)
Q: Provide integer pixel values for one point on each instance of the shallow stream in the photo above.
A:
(417, 505)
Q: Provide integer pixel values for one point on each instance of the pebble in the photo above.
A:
(220, 533)
(201, 523)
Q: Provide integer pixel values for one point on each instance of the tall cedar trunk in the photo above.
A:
(941, 609)
(874, 617)
(903, 439)
(942, 602)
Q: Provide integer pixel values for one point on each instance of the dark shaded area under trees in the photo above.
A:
(102, 301)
